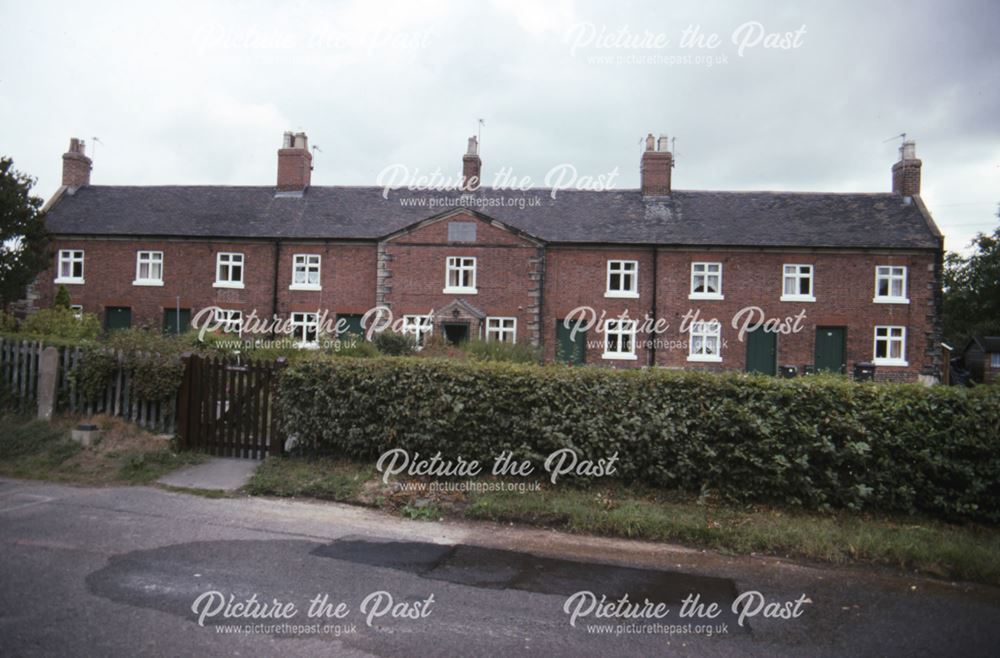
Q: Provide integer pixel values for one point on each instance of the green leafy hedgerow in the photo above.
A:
(815, 442)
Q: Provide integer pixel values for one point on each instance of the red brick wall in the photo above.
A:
(415, 265)
(347, 278)
(508, 269)
(189, 272)
(843, 284)
(577, 276)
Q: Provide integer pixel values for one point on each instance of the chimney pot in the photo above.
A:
(650, 142)
(662, 144)
(294, 162)
(76, 164)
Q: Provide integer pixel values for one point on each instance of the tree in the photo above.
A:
(972, 291)
(62, 299)
(23, 238)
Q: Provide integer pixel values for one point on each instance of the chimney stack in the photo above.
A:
(657, 162)
(76, 165)
(906, 172)
(294, 163)
(472, 166)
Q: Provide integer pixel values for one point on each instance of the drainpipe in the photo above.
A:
(274, 292)
(656, 286)
(541, 302)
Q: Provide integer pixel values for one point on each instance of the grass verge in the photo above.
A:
(962, 552)
(124, 454)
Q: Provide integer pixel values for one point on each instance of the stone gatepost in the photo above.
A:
(48, 377)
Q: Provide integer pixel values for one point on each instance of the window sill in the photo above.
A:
(704, 358)
(305, 286)
(612, 294)
(890, 300)
(460, 291)
(69, 281)
(615, 356)
(705, 295)
(149, 283)
(797, 298)
(891, 362)
(228, 284)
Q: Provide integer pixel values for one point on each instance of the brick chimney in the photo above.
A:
(76, 165)
(472, 166)
(655, 168)
(294, 163)
(906, 172)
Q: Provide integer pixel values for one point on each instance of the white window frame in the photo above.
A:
(230, 261)
(305, 265)
(701, 268)
(231, 320)
(460, 265)
(623, 268)
(887, 272)
(891, 334)
(798, 273)
(497, 328)
(70, 257)
(151, 259)
(420, 326)
(622, 329)
(302, 322)
(77, 310)
(706, 331)
(995, 359)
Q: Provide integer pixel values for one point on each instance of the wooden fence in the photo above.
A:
(19, 366)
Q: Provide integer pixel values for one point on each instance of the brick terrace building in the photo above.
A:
(851, 277)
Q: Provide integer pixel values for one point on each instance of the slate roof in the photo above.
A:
(685, 218)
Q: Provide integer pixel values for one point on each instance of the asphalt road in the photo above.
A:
(140, 571)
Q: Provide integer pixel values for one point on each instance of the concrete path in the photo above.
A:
(216, 474)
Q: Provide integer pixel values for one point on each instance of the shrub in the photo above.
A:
(151, 359)
(61, 323)
(497, 351)
(352, 346)
(392, 343)
(93, 373)
(816, 442)
(62, 299)
(8, 323)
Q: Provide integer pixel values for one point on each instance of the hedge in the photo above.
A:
(817, 442)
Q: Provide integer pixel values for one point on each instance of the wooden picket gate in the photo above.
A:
(228, 409)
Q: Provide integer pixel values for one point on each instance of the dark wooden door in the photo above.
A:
(117, 317)
(762, 352)
(831, 349)
(570, 347)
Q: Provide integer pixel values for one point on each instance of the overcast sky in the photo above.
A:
(200, 93)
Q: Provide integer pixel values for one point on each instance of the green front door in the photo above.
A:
(176, 321)
(351, 324)
(831, 349)
(762, 351)
(570, 348)
(117, 317)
